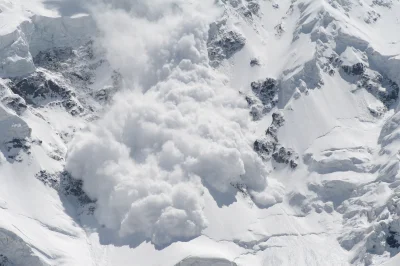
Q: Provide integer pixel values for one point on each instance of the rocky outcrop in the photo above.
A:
(223, 43)
(15, 146)
(14, 136)
(75, 65)
(248, 9)
(264, 97)
(379, 85)
(66, 185)
(268, 147)
(15, 103)
(354, 70)
(267, 91)
(254, 62)
(286, 156)
(40, 89)
(254, 7)
(383, 3)
(73, 187)
(64, 77)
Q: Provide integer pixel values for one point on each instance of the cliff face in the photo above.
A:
(199, 133)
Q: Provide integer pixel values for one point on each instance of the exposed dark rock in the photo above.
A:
(254, 62)
(264, 98)
(378, 84)
(264, 88)
(247, 8)
(15, 103)
(279, 30)
(245, 12)
(73, 65)
(267, 91)
(38, 90)
(335, 61)
(223, 43)
(250, 100)
(18, 144)
(51, 180)
(71, 70)
(257, 112)
(73, 187)
(393, 239)
(281, 155)
(242, 188)
(54, 58)
(355, 70)
(269, 147)
(331, 63)
(277, 122)
(286, 156)
(37, 87)
(4, 261)
(372, 17)
(253, 7)
(257, 109)
(383, 88)
(66, 185)
(264, 147)
(14, 148)
(384, 3)
(277, 119)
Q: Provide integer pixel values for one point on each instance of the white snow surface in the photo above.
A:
(135, 150)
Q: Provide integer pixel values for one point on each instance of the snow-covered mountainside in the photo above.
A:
(175, 132)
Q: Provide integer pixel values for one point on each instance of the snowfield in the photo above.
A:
(183, 133)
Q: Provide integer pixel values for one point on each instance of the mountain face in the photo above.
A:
(174, 132)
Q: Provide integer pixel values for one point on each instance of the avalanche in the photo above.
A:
(172, 132)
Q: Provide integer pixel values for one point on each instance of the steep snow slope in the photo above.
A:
(199, 133)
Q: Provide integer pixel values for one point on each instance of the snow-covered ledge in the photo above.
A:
(22, 40)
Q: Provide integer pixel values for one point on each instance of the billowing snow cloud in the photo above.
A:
(175, 131)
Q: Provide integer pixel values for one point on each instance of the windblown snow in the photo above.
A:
(175, 132)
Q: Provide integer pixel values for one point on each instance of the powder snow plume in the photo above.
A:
(174, 132)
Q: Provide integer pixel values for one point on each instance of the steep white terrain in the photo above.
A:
(174, 132)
